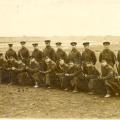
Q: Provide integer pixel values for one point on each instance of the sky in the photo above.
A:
(59, 17)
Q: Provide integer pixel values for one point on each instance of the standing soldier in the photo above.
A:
(74, 54)
(87, 56)
(37, 54)
(107, 54)
(60, 53)
(23, 53)
(49, 51)
(10, 53)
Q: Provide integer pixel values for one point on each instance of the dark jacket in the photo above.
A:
(89, 56)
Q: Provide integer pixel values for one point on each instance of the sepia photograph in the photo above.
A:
(59, 59)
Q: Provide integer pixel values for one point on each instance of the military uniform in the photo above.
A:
(49, 73)
(60, 53)
(11, 66)
(34, 73)
(10, 53)
(92, 76)
(60, 74)
(74, 55)
(24, 55)
(118, 58)
(49, 51)
(2, 69)
(73, 77)
(108, 76)
(37, 54)
(107, 55)
(88, 56)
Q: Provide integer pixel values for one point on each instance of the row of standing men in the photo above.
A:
(74, 64)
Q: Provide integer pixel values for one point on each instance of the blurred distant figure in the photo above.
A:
(49, 51)
(10, 52)
(60, 53)
(88, 56)
(23, 53)
(118, 59)
(74, 54)
(107, 54)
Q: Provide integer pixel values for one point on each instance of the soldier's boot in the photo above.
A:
(36, 85)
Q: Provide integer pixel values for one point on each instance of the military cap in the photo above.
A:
(10, 45)
(86, 43)
(106, 43)
(47, 41)
(22, 42)
(58, 43)
(35, 44)
(73, 43)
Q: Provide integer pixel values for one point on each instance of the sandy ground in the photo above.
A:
(28, 102)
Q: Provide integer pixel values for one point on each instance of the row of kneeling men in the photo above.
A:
(57, 69)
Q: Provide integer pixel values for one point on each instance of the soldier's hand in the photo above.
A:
(13, 68)
(67, 74)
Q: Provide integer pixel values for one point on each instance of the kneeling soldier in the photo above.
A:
(72, 77)
(2, 67)
(61, 69)
(49, 72)
(109, 75)
(34, 73)
(92, 75)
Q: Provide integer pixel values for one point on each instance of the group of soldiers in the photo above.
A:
(74, 71)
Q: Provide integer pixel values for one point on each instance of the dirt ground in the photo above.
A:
(28, 102)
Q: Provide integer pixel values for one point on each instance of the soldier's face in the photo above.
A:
(106, 46)
(104, 63)
(47, 44)
(58, 47)
(71, 64)
(61, 62)
(23, 45)
(86, 47)
(47, 60)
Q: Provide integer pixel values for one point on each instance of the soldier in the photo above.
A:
(109, 78)
(37, 54)
(33, 72)
(118, 58)
(87, 56)
(49, 72)
(23, 53)
(11, 66)
(60, 71)
(49, 51)
(60, 53)
(107, 54)
(92, 76)
(73, 76)
(2, 67)
(74, 54)
(10, 52)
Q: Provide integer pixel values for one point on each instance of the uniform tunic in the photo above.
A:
(38, 55)
(109, 56)
(24, 55)
(108, 76)
(60, 54)
(50, 52)
(10, 53)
